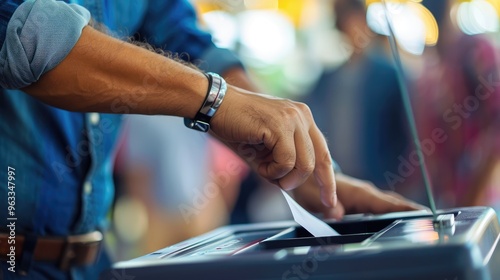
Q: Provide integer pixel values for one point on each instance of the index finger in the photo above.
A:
(323, 169)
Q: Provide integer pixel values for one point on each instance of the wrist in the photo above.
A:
(192, 93)
(215, 95)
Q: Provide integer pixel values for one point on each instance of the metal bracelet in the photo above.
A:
(215, 96)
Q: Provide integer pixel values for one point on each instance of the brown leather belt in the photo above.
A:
(75, 250)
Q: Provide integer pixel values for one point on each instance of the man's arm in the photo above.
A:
(166, 19)
(101, 71)
(104, 74)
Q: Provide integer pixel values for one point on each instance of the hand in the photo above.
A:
(279, 139)
(355, 196)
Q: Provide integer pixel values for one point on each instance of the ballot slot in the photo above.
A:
(350, 232)
(245, 241)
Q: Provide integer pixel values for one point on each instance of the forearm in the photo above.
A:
(103, 74)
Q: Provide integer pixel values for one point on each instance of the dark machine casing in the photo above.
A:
(404, 245)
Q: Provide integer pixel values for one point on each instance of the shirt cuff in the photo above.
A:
(218, 60)
(36, 41)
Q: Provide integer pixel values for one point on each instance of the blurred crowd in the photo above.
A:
(335, 56)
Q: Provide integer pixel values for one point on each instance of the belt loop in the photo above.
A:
(67, 256)
(28, 253)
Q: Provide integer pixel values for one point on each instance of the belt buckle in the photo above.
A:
(71, 253)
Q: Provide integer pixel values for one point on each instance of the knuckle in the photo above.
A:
(288, 164)
(307, 169)
(267, 135)
(325, 160)
(295, 110)
(307, 164)
(291, 112)
(286, 161)
(304, 108)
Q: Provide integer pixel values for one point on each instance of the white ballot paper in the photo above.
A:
(313, 225)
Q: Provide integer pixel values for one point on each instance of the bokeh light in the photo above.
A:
(409, 26)
(477, 17)
(431, 26)
(267, 36)
(223, 27)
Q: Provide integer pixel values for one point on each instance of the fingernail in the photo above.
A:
(328, 202)
(325, 202)
(334, 199)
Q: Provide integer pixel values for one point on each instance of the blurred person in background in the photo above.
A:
(457, 102)
(358, 105)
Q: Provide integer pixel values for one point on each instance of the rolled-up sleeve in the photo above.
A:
(172, 26)
(37, 36)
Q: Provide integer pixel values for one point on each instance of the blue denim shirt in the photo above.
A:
(63, 160)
